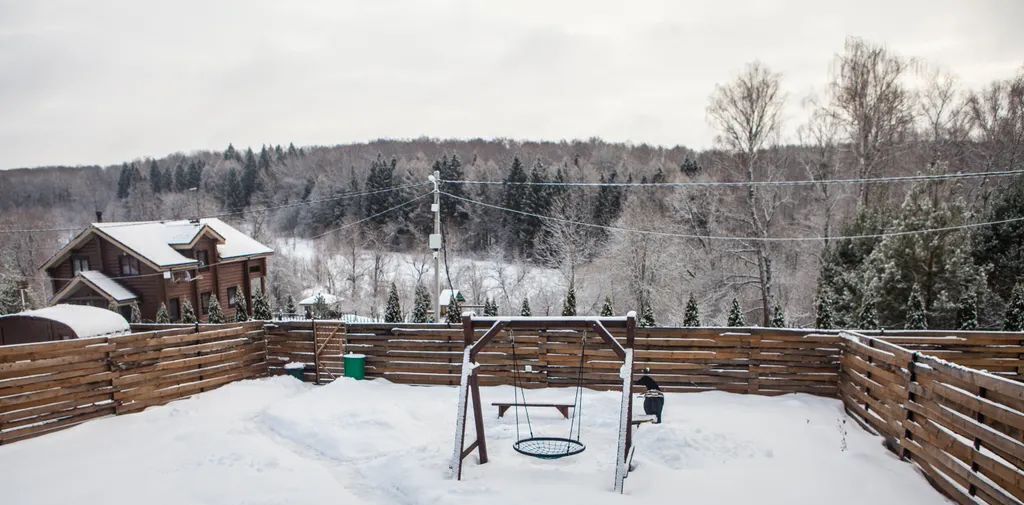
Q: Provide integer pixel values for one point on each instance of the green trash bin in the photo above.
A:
(355, 366)
(295, 369)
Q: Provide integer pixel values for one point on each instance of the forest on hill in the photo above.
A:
(648, 228)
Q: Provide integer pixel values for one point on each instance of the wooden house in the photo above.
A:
(160, 262)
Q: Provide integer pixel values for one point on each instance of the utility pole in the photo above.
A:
(435, 243)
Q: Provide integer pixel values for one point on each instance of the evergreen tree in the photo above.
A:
(380, 178)
(454, 310)
(156, 177)
(421, 312)
(393, 309)
(490, 307)
(162, 316)
(213, 312)
(240, 314)
(735, 314)
(453, 210)
(114, 307)
(231, 154)
(606, 309)
(10, 298)
(181, 178)
(514, 196)
(1000, 245)
(249, 181)
(917, 318)
(823, 312)
(524, 310)
(264, 162)
(320, 308)
(194, 176)
(289, 305)
(778, 319)
(1013, 320)
(136, 314)
(127, 179)
(689, 167)
(646, 313)
(188, 314)
(692, 315)
(967, 312)
(233, 196)
(261, 307)
(569, 305)
(868, 317)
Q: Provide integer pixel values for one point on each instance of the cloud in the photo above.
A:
(102, 82)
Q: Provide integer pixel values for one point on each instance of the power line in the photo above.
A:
(367, 218)
(258, 210)
(733, 238)
(802, 182)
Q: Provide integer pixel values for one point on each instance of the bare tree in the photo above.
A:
(820, 161)
(871, 102)
(567, 244)
(747, 113)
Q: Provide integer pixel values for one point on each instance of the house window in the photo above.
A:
(203, 257)
(79, 264)
(204, 303)
(174, 309)
(129, 265)
(233, 298)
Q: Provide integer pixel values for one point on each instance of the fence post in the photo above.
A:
(908, 415)
(316, 355)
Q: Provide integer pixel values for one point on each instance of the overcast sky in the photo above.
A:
(88, 82)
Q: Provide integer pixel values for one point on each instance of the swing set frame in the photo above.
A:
(469, 383)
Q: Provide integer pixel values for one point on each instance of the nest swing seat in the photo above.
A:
(549, 447)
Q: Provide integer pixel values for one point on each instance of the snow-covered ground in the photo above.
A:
(276, 440)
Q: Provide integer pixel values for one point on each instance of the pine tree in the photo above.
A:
(454, 310)
(10, 298)
(213, 312)
(240, 313)
(867, 319)
(692, 316)
(231, 193)
(181, 178)
(188, 314)
(156, 177)
(1014, 317)
(136, 314)
(967, 312)
(490, 307)
(524, 310)
(778, 319)
(569, 305)
(114, 307)
(646, 313)
(689, 167)
(421, 312)
(735, 314)
(249, 181)
(606, 309)
(162, 316)
(320, 308)
(194, 176)
(289, 306)
(261, 307)
(823, 311)
(916, 319)
(393, 308)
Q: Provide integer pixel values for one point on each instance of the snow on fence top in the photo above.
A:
(84, 320)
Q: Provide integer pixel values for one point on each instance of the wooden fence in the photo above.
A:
(964, 428)
(49, 386)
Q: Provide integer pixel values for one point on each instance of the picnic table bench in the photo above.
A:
(504, 406)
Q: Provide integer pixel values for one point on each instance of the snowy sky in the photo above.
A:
(104, 81)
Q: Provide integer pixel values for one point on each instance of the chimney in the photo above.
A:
(99, 216)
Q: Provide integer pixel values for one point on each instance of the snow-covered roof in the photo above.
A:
(84, 320)
(329, 299)
(100, 281)
(157, 242)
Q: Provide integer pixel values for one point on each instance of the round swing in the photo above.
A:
(548, 447)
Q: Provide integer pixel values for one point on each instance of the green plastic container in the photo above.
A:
(295, 369)
(355, 366)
